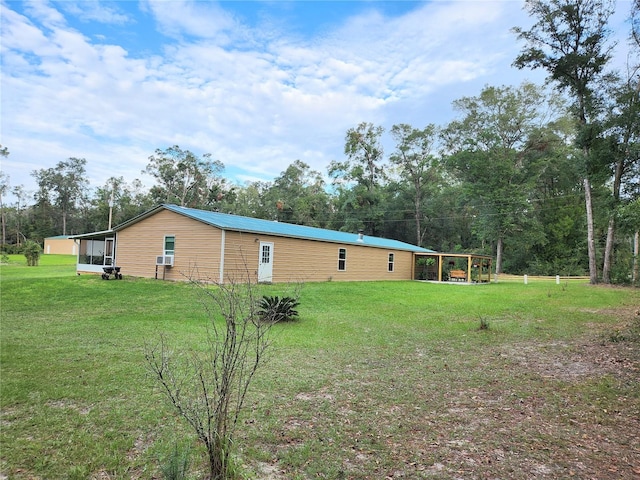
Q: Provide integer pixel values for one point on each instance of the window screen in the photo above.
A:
(169, 245)
(342, 259)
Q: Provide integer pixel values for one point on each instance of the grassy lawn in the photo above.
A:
(376, 380)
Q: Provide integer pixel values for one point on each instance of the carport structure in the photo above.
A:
(447, 267)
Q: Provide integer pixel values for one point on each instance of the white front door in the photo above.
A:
(265, 265)
(108, 251)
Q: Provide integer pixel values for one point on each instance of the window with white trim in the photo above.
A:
(266, 253)
(342, 259)
(391, 261)
(169, 244)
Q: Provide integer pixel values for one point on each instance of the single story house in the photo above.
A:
(60, 245)
(179, 243)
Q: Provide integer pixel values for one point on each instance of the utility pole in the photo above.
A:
(111, 208)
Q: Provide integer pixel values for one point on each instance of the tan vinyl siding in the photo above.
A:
(241, 256)
(197, 248)
(296, 260)
(197, 254)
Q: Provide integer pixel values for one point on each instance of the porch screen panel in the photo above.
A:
(92, 252)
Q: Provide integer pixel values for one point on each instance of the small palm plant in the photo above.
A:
(274, 309)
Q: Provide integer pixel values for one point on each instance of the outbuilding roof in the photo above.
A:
(239, 223)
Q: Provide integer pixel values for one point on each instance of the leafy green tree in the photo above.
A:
(451, 221)
(249, 200)
(118, 201)
(628, 211)
(634, 18)
(4, 187)
(43, 214)
(67, 183)
(184, 178)
(489, 154)
(418, 169)
(298, 195)
(557, 202)
(569, 41)
(619, 148)
(360, 179)
(629, 215)
(21, 204)
(622, 137)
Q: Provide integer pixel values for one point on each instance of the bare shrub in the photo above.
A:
(208, 388)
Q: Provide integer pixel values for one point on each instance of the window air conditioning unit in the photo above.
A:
(166, 260)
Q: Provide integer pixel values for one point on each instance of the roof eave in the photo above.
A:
(139, 217)
(103, 233)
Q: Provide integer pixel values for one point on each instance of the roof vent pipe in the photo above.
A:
(360, 236)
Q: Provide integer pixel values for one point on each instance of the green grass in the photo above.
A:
(375, 379)
(57, 266)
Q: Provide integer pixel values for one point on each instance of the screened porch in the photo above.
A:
(95, 251)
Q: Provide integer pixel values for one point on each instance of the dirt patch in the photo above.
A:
(140, 446)
(268, 471)
(603, 351)
(550, 410)
(575, 361)
(68, 405)
(314, 396)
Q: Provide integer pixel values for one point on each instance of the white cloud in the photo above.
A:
(178, 18)
(255, 99)
(94, 10)
(44, 13)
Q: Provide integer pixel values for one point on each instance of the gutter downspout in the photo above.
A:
(76, 242)
(222, 246)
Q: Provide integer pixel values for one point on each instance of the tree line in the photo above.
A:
(544, 177)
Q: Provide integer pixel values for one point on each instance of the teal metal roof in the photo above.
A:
(226, 221)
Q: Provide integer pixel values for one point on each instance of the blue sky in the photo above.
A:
(258, 84)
